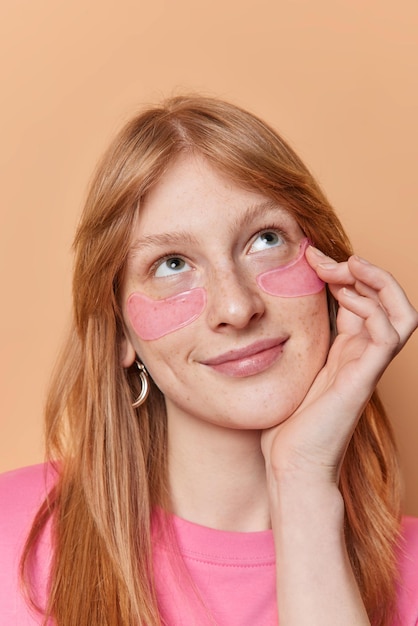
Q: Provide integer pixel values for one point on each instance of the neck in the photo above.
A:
(217, 475)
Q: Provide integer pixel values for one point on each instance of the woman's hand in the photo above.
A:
(374, 321)
(316, 585)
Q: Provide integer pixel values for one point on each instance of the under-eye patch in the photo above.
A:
(152, 319)
(294, 279)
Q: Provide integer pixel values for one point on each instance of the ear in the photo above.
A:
(127, 352)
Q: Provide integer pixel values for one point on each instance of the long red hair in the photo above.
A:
(112, 458)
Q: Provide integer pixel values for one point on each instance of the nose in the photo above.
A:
(233, 300)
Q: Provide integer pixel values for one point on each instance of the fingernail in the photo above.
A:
(359, 258)
(317, 252)
(331, 265)
(350, 292)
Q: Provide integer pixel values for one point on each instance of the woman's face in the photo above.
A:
(218, 345)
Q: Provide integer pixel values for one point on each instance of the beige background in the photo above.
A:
(337, 77)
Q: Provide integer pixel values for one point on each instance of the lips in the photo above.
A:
(250, 360)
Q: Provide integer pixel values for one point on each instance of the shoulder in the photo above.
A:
(410, 529)
(408, 549)
(408, 571)
(30, 479)
(22, 491)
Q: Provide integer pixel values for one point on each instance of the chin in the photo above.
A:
(259, 418)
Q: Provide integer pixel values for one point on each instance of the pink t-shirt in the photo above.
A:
(223, 578)
(227, 578)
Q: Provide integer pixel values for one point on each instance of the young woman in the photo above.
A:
(218, 453)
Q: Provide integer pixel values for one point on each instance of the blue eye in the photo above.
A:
(171, 266)
(265, 240)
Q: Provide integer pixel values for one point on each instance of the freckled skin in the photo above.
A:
(153, 319)
(191, 196)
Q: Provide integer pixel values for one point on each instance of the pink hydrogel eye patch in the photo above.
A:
(296, 278)
(152, 319)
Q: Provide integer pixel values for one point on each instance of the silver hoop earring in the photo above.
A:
(143, 375)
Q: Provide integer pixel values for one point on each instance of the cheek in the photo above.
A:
(314, 327)
(292, 280)
(309, 326)
(153, 319)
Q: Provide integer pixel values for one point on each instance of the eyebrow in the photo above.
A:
(260, 209)
(181, 237)
(163, 239)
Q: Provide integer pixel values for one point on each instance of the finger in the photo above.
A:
(352, 314)
(392, 297)
(328, 269)
(370, 281)
(369, 342)
(348, 322)
(375, 319)
(366, 290)
(361, 288)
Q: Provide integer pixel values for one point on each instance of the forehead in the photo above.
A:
(193, 195)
